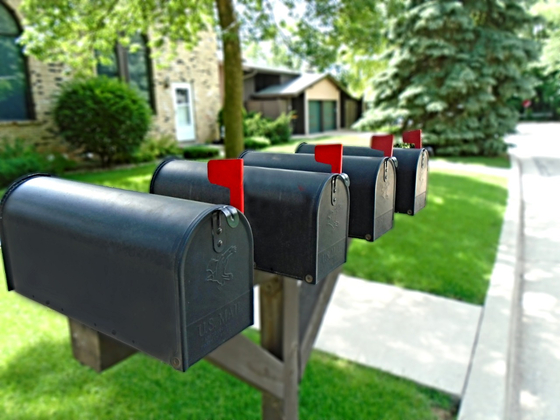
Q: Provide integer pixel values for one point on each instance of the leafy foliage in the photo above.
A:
(103, 116)
(453, 69)
(19, 157)
(200, 152)
(341, 35)
(256, 143)
(277, 131)
(53, 27)
(156, 147)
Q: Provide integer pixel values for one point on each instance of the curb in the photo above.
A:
(486, 394)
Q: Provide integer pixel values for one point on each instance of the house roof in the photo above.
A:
(269, 69)
(297, 86)
(250, 66)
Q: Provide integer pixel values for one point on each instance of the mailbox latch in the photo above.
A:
(333, 190)
(423, 161)
(218, 233)
(385, 170)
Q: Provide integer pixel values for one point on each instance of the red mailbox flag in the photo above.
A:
(229, 173)
(331, 154)
(413, 137)
(383, 142)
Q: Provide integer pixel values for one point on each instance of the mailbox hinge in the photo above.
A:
(218, 233)
(333, 190)
(385, 170)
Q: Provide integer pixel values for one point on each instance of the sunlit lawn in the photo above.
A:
(447, 249)
(39, 379)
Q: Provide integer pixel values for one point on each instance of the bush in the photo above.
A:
(18, 158)
(280, 130)
(200, 152)
(277, 131)
(156, 147)
(103, 116)
(256, 143)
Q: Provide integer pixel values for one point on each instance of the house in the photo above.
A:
(319, 101)
(184, 95)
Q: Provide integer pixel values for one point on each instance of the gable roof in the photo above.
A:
(297, 86)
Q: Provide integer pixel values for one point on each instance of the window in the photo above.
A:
(15, 99)
(132, 67)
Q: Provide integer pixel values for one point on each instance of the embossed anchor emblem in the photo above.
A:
(217, 268)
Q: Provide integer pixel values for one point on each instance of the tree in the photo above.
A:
(343, 36)
(453, 68)
(82, 32)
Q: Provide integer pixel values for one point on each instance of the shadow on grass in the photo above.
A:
(448, 248)
(45, 382)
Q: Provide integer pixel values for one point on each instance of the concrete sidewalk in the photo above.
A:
(414, 335)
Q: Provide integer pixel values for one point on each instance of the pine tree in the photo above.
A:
(454, 67)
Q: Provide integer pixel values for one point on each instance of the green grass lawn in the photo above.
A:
(447, 249)
(39, 379)
(136, 179)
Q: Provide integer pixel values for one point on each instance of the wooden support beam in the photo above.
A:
(279, 301)
(95, 349)
(309, 334)
(247, 361)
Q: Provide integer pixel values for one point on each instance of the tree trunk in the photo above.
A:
(233, 78)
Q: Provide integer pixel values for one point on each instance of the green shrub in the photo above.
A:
(255, 125)
(18, 158)
(256, 143)
(277, 131)
(156, 147)
(200, 152)
(280, 130)
(102, 116)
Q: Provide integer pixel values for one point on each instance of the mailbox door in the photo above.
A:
(412, 179)
(332, 220)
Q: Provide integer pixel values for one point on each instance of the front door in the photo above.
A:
(184, 115)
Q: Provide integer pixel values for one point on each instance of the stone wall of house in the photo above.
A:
(45, 80)
(199, 67)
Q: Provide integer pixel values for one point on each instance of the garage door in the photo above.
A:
(314, 108)
(329, 115)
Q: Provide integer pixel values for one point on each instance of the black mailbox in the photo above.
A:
(412, 174)
(372, 187)
(299, 219)
(153, 272)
